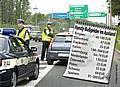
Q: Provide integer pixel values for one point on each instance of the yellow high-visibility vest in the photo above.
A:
(45, 37)
(24, 35)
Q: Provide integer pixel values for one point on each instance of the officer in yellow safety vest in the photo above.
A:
(23, 33)
(47, 36)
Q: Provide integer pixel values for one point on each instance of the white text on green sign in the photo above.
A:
(78, 11)
(97, 14)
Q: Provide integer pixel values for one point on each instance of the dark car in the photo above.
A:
(17, 61)
(59, 48)
(33, 34)
(38, 36)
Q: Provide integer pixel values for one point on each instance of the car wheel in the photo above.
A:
(50, 62)
(35, 72)
(13, 79)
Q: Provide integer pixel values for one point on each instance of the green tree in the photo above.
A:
(3, 11)
(11, 10)
(115, 7)
(40, 18)
(22, 9)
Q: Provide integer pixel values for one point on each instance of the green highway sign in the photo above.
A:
(97, 14)
(78, 11)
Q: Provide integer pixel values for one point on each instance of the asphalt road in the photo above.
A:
(54, 77)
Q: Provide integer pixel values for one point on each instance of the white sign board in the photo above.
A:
(91, 53)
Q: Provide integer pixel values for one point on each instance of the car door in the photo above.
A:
(31, 62)
(21, 53)
(29, 57)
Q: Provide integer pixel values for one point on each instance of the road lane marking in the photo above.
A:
(41, 75)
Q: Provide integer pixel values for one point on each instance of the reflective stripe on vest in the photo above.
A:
(45, 37)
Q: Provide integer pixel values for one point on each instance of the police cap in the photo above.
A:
(20, 21)
(49, 23)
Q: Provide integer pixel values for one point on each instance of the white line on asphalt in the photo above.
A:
(41, 75)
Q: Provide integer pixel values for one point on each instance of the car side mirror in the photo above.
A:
(34, 49)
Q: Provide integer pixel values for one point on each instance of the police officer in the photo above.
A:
(23, 33)
(47, 36)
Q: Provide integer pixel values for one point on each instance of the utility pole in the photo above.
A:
(109, 13)
(35, 8)
(106, 19)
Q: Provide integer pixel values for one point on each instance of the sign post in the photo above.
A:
(91, 53)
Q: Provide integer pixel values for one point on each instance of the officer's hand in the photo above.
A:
(50, 35)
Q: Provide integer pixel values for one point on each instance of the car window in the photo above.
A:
(24, 47)
(2, 44)
(17, 45)
(38, 33)
(63, 38)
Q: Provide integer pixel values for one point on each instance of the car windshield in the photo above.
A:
(38, 33)
(63, 38)
(2, 43)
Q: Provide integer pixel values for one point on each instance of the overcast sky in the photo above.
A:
(52, 6)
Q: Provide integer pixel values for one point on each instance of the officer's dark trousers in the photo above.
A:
(45, 45)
